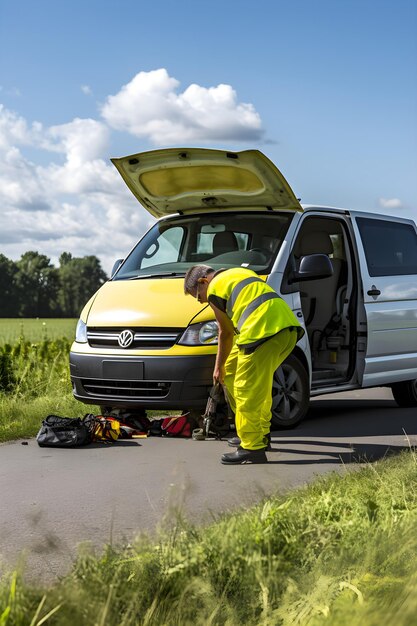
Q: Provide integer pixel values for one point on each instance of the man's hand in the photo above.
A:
(218, 374)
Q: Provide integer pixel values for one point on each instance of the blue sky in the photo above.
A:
(327, 89)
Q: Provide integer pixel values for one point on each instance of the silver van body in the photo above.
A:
(378, 310)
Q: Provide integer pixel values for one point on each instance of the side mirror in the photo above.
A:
(312, 267)
(115, 267)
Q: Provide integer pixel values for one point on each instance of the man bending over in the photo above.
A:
(257, 331)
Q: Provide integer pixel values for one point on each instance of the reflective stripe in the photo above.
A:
(264, 297)
(236, 291)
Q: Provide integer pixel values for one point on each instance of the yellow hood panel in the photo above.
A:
(175, 180)
(145, 302)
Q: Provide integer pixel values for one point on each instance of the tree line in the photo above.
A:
(34, 287)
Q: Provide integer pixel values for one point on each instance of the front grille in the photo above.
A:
(126, 388)
(144, 338)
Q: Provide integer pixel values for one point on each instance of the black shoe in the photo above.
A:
(244, 456)
(235, 442)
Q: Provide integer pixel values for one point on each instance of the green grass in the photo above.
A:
(34, 383)
(339, 552)
(35, 330)
(21, 417)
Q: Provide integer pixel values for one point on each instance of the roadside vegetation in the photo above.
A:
(34, 375)
(340, 551)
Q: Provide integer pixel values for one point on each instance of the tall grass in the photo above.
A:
(339, 552)
(34, 374)
(34, 382)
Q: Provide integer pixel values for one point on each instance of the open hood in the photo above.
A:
(183, 180)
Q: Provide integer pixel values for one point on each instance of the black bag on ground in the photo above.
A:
(64, 432)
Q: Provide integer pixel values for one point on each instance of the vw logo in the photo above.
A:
(125, 339)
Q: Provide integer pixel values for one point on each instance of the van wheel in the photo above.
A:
(290, 394)
(405, 393)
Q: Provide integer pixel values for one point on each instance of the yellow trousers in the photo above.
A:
(248, 381)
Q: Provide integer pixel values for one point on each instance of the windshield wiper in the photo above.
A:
(161, 275)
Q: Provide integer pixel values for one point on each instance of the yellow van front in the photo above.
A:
(146, 344)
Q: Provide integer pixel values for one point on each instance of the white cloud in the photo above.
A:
(13, 129)
(149, 106)
(81, 140)
(20, 186)
(86, 89)
(57, 191)
(75, 202)
(390, 203)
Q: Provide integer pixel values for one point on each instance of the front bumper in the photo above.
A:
(149, 382)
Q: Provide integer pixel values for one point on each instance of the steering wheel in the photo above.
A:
(265, 253)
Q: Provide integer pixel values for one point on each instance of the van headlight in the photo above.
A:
(200, 334)
(81, 332)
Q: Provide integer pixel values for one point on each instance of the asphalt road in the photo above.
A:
(53, 499)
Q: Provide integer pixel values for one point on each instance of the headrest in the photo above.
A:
(317, 241)
(224, 242)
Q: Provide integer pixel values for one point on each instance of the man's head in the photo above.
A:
(196, 281)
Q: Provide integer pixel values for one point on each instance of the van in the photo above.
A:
(349, 276)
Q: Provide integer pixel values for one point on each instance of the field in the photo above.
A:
(35, 330)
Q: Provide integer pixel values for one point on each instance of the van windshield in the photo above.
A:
(172, 246)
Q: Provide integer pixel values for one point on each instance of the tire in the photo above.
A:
(290, 394)
(405, 393)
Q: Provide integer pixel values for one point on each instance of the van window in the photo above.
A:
(390, 247)
(205, 242)
(221, 240)
(165, 249)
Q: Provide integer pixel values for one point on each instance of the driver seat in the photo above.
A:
(319, 297)
(224, 242)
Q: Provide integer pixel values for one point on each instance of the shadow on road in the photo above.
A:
(347, 431)
(353, 453)
(355, 418)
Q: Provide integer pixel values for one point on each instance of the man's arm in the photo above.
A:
(226, 334)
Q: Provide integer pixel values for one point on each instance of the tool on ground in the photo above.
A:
(215, 421)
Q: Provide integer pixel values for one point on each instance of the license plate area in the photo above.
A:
(123, 370)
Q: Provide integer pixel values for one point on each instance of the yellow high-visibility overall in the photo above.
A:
(248, 381)
(267, 331)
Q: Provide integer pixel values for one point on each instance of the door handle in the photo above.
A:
(373, 291)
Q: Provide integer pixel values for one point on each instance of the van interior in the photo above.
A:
(328, 304)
